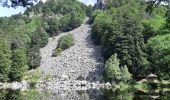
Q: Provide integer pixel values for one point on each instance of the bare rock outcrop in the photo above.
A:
(100, 4)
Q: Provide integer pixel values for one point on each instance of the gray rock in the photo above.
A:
(84, 58)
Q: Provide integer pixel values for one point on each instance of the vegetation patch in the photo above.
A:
(32, 76)
(142, 43)
(64, 42)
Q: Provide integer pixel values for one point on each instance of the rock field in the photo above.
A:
(81, 61)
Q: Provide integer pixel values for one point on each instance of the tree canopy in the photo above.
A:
(135, 35)
(16, 3)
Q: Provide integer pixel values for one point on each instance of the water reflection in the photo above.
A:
(117, 95)
(10, 95)
(102, 94)
(31, 94)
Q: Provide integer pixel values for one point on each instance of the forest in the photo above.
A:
(134, 42)
(22, 35)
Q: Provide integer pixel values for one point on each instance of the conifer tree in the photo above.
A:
(112, 69)
(5, 62)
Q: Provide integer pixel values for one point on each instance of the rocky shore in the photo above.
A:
(23, 85)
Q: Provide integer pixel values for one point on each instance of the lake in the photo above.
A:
(102, 94)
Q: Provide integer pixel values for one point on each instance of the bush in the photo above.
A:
(66, 41)
(32, 76)
(57, 52)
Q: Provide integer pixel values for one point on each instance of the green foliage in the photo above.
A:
(156, 22)
(112, 69)
(89, 11)
(118, 3)
(32, 76)
(100, 25)
(19, 65)
(61, 16)
(125, 75)
(153, 23)
(66, 41)
(165, 29)
(57, 52)
(24, 34)
(143, 86)
(3, 94)
(129, 44)
(53, 28)
(158, 49)
(124, 28)
(14, 4)
(34, 57)
(13, 95)
(64, 23)
(148, 32)
(5, 61)
(116, 73)
(121, 35)
(75, 21)
(39, 38)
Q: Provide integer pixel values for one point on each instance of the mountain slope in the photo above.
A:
(82, 59)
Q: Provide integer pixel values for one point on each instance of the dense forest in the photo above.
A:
(134, 42)
(22, 35)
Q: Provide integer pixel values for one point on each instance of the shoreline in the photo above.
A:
(23, 85)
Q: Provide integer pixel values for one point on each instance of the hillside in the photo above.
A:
(134, 42)
(22, 35)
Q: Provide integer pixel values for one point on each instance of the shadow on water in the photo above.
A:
(132, 95)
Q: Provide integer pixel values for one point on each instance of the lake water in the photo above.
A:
(33, 94)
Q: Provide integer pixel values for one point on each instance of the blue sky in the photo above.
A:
(4, 11)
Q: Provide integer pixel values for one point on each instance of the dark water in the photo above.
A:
(33, 94)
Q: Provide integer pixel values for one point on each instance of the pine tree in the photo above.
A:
(112, 69)
(18, 66)
(34, 57)
(130, 44)
(39, 38)
(5, 62)
(125, 74)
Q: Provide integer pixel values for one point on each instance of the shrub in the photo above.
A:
(66, 41)
(57, 52)
(32, 76)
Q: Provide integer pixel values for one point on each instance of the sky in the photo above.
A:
(4, 11)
